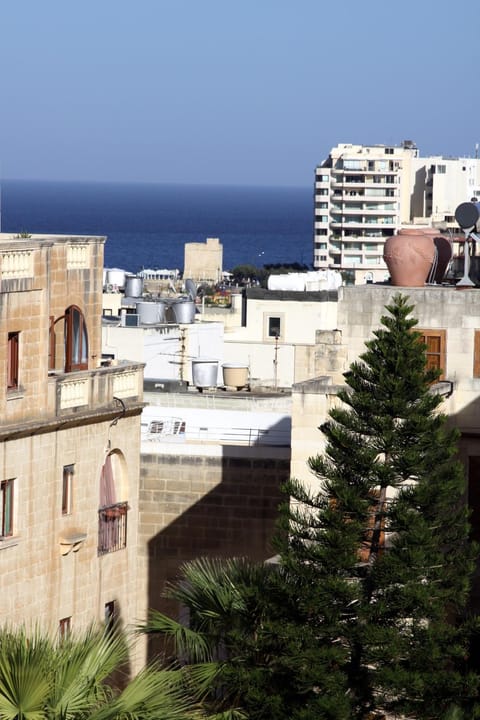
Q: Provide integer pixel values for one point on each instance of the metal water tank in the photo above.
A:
(116, 277)
(204, 372)
(184, 311)
(133, 286)
(151, 313)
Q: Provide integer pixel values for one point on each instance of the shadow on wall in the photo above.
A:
(209, 506)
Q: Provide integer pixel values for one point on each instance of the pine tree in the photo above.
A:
(381, 554)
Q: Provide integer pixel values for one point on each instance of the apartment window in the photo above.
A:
(12, 360)
(441, 169)
(67, 489)
(274, 326)
(388, 151)
(435, 344)
(64, 628)
(6, 498)
(321, 231)
(322, 191)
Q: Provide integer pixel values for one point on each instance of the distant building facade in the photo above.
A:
(365, 193)
(204, 261)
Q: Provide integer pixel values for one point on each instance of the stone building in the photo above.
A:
(204, 261)
(69, 442)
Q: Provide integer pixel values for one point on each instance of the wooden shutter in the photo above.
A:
(476, 354)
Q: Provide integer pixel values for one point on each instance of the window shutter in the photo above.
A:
(476, 354)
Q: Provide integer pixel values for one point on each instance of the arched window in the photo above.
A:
(76, 340)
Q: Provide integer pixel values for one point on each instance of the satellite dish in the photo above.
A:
(467, 215)
(191, 288)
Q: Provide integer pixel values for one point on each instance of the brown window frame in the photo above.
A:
(432, 355)
(13, 360)
(476, 354)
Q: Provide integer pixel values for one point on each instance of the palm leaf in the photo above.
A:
(24, 685)
(151, 695)
(187, 642)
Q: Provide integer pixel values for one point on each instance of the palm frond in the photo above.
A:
(188, 643)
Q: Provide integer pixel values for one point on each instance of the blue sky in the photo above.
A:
(251, 92)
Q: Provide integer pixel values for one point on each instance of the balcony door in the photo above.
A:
(76, 340)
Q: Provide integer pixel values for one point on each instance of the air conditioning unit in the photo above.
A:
(130, 320)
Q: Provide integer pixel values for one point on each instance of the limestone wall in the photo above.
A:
(213, 500)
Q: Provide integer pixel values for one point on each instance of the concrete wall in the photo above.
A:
(166, 350)
(217, 501)
(289, 358)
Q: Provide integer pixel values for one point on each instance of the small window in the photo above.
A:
(64, 628)
(109, 615)
(67, 489)
(274, 327)
(12, 360)
(6, 492)
(435, 350)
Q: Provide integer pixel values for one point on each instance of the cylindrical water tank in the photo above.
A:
(235, 375)
(116, 277)
(204, 372)
(292, 281)
(184, 311)
(150, 313)
(133, 286)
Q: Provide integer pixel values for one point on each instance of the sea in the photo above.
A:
(147, 225)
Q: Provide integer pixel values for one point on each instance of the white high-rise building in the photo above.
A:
(366, 193)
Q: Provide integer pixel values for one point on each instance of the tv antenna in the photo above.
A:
(467, 215)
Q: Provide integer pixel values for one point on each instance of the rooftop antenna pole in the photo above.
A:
(476, 151)
(467, 215)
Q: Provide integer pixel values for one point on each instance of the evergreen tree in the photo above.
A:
(242, 659)
(380, 552)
